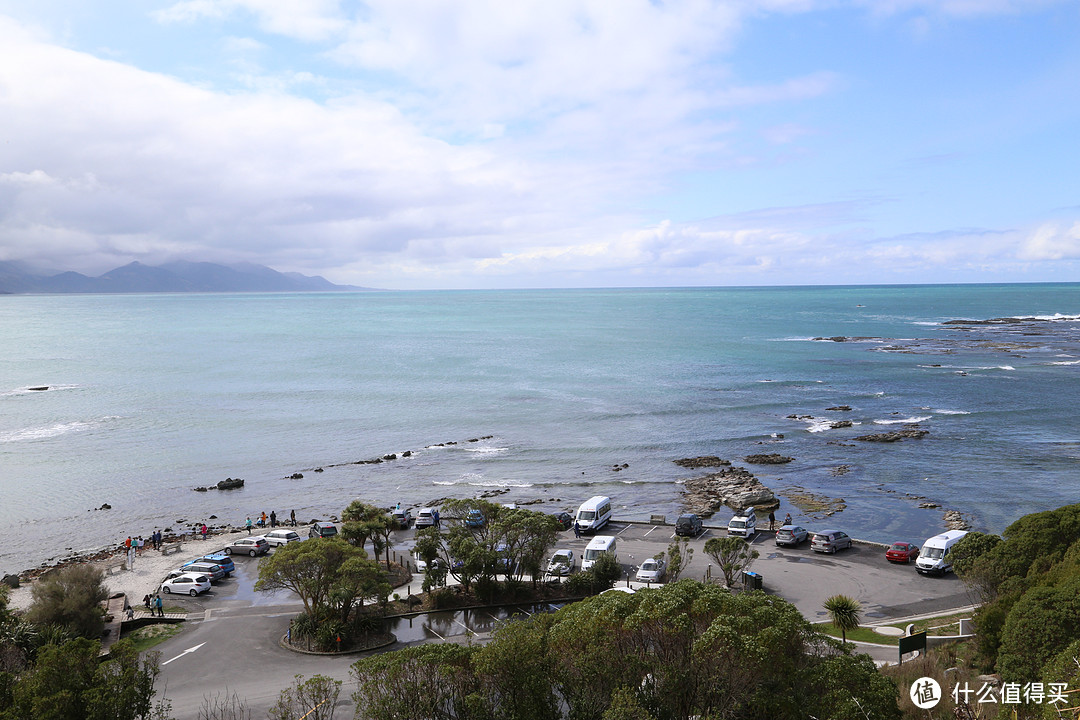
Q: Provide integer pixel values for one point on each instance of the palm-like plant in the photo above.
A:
(844, 612)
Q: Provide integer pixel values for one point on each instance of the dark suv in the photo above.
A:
(688, 524)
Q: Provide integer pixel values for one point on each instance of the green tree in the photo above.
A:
(1040, 625)
(434, 682)
(844, 612)
(311, 699)
(732, 556)
(679, 555)
(625, 706)
(71, 597)
(514, 671)
(69, 683)
(976, 565)
(327, 574)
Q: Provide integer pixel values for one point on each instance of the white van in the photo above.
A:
(599, 544)
(593, 514)
(934, 557)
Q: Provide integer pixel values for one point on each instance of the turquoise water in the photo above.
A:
(153, 395)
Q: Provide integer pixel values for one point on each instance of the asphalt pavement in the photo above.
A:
(231, 643)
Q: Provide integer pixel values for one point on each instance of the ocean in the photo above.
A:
(540, 393)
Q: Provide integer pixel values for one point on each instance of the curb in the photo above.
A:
(357, 651)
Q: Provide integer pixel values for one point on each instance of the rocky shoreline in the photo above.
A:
(733, 487)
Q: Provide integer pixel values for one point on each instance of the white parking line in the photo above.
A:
(432, 631)
(653, 528)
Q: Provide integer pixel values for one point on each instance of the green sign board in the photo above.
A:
(911, 643)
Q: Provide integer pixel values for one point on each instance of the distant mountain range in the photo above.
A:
(179, 276)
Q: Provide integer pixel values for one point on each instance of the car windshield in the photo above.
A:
(933, 553)
(592, 553)
(560, 558)
(648, 565)
(784, 532)
(900, 547)
(586, 515)
(738, 523)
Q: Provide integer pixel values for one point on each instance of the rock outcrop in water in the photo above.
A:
(908, 432)
(703, 461)
(734, 487)
(768, 459)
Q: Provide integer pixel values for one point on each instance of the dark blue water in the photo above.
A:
(153, 395)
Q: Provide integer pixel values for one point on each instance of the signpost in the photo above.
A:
(911, 643)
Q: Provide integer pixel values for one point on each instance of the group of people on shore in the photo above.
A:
(138, 543)
(271, 520)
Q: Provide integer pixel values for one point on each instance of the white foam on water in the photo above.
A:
(48, 431)
(487, 450)
(952, 412)
(478, 480)
(818, 425)
(903, 421)
(1064, 362)
(925, 322)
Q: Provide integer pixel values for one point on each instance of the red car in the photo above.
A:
(902, 552)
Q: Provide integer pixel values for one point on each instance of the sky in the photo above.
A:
(436, 144)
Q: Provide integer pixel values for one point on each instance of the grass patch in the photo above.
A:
(147, 637)
(859, 634)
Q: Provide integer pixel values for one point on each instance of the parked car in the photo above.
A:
(403, 517)
(219, 559)
(252, 546)
(743, 524)
(791, 535)
(274, 538)
(421, 564)
(652, 570)
(688, 524)
(322, 530)
(425, 517)
(562, 562)
(190, 583)
(902, 552)
(214, 572)
(829, 541)
(565, 519)
(475, 519)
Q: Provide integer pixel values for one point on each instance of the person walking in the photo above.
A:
(435, 517)
(159, 606)
(248, 525)
(262, 519)
(772, 520)
(273, 518)
(146, 601)
(292, 518)
(203, 531)
(577, 529)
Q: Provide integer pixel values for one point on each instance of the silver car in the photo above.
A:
(282, 537)
(829, 541)
(791, 535)
(248, 546)
(562, 562)
(652, 570)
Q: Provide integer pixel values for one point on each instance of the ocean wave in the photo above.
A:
(486, 450)
(1053, 318)
(818, 425)
(903, 421)
(926, 322)
(952, 412)
(48, 431)
(476, 480)
(1064, 362)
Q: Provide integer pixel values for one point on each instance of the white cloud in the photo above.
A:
(1051, 242)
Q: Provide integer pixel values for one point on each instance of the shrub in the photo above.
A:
(71, 598)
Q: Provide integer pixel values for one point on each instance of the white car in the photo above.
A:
(562, 562)
(190, 583)
(281, 537)
(652, 570)
(421, 563)
(425, 517)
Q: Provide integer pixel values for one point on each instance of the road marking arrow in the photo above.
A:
(189, 650)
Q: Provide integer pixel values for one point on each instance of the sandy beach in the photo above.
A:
(147, 572)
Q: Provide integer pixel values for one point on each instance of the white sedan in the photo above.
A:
(190, 583)
(652, 570)
(562, 562)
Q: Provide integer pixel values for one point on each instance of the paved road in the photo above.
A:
(235, 648)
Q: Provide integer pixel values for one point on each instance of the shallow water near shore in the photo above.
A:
(150, 396)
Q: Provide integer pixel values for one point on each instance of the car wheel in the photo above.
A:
(193, 592)
(228, 551)
(252, 553)
(165, 589)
